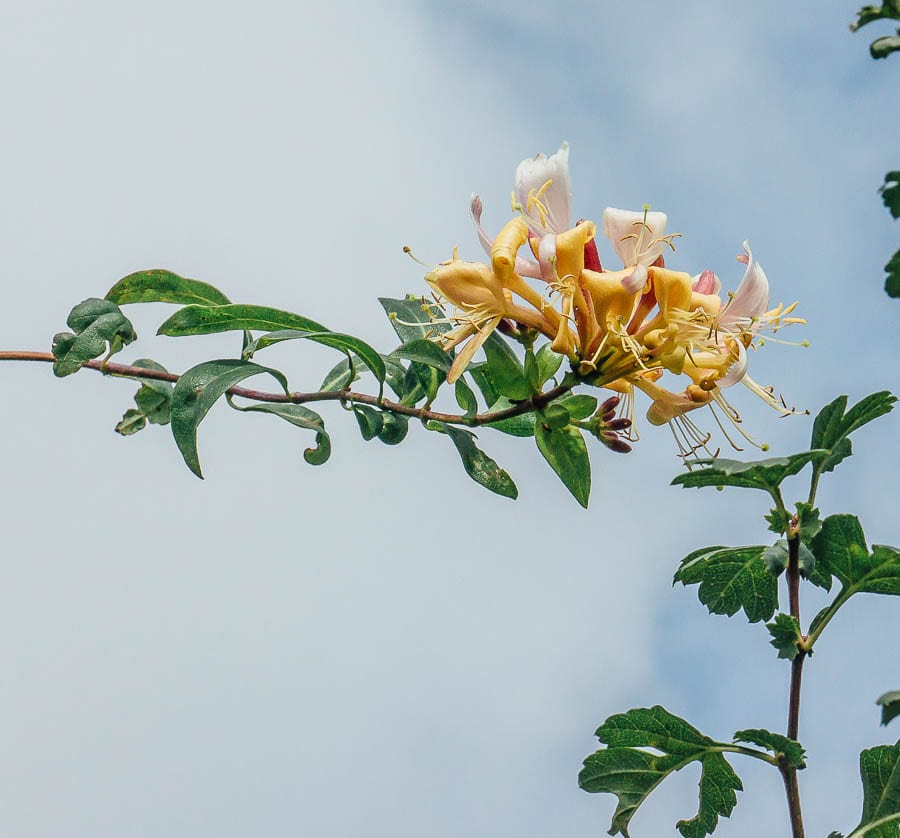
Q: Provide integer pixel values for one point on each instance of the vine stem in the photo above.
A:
(789, 772)
(422, 413)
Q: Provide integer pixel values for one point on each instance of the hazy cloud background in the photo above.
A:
(379, 647)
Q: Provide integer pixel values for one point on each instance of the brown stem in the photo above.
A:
(789, 772)
(424, 414)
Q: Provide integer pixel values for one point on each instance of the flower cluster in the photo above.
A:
(620, 329)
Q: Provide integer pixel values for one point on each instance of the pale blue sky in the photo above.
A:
(379, 647)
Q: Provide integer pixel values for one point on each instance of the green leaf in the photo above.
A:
(759, 474)
(411, 318)
(548, 363)
(564, 449)
(731, 579)
(394, 427)
(890, 193)
(370, 421)
(785, 631)
(197, 391)
(340, 376)
(505, 369)
(809, 521)
(208, 320)
(465, 398)
(425, 352)
(96, 324)
(776, 558)
(630, 773)
(833, 426)
(484, 382)
(153, 400)
(299, 416)
(521, 425)
(879, 769)
(159, 286)
(579, 406)
(346, 343)
(478, 465)
(890, 706)
(790, 752)
(892, 283)
(890, 9)
(884, 46)
(841, 547)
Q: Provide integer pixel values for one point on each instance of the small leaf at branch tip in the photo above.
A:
(785, 631)
(890, 706)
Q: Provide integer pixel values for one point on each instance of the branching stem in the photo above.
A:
(422, 413)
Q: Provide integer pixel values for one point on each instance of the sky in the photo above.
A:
(379, 647)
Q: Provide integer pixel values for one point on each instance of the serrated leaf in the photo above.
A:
(841, 546)
(411, 318)
(731, 579)
(759, 474)
(98, 327)
(890, 706)
(161, 286)
(832, 426)
(565, 450)
(300, 417)
(892, 281)
(630, 773)
(478, 465)
(789, 751)
(879, 769)
(785, 631)
(208, 320)
(197, 391)
(505, 369)
(425, 352)
(345, 343)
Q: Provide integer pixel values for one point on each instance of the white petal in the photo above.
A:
(636, 281)
(737, 370)
(524, 267)
(751, 300)
(531, 175)
(636, 240)
(547, 258)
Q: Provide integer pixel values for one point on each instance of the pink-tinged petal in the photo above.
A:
(737, 370)
(636, 280)
(706, 283)
(524, 267)
(531, 176)
(547, 258)
(751, 299)
(636, 240)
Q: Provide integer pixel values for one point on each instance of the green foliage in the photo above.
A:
(465, 398)
(197, 391)
(785, 631)
(731, 579)
(890, 193)
(520, 425)
(547, 363)
(841, 546)
(630, 773)
(564, 449)
(579, 406)
(892, 283)
(884, 46)
(890, 706)
(834, 424)
(299, 416)
(879, 769)
(370, 421)
(478, 465)
(394, 427)
(787, 751)
(888, 10)
(413, 318)
(758, 474)
(425, 352)
(506, 372)
(153, 401)
(209, 320)
(159, 286)
(95, 324)
(776, 558)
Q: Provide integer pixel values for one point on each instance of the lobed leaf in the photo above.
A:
(731, 579)
(879, 769)
(834, 424)
(160, 286)
(197, 391)
(785, 631)
(565, 450)
(841, 547)
(630, 773)
(759, 474)
(789, 751)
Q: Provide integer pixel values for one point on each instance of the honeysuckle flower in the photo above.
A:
(638, 239)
